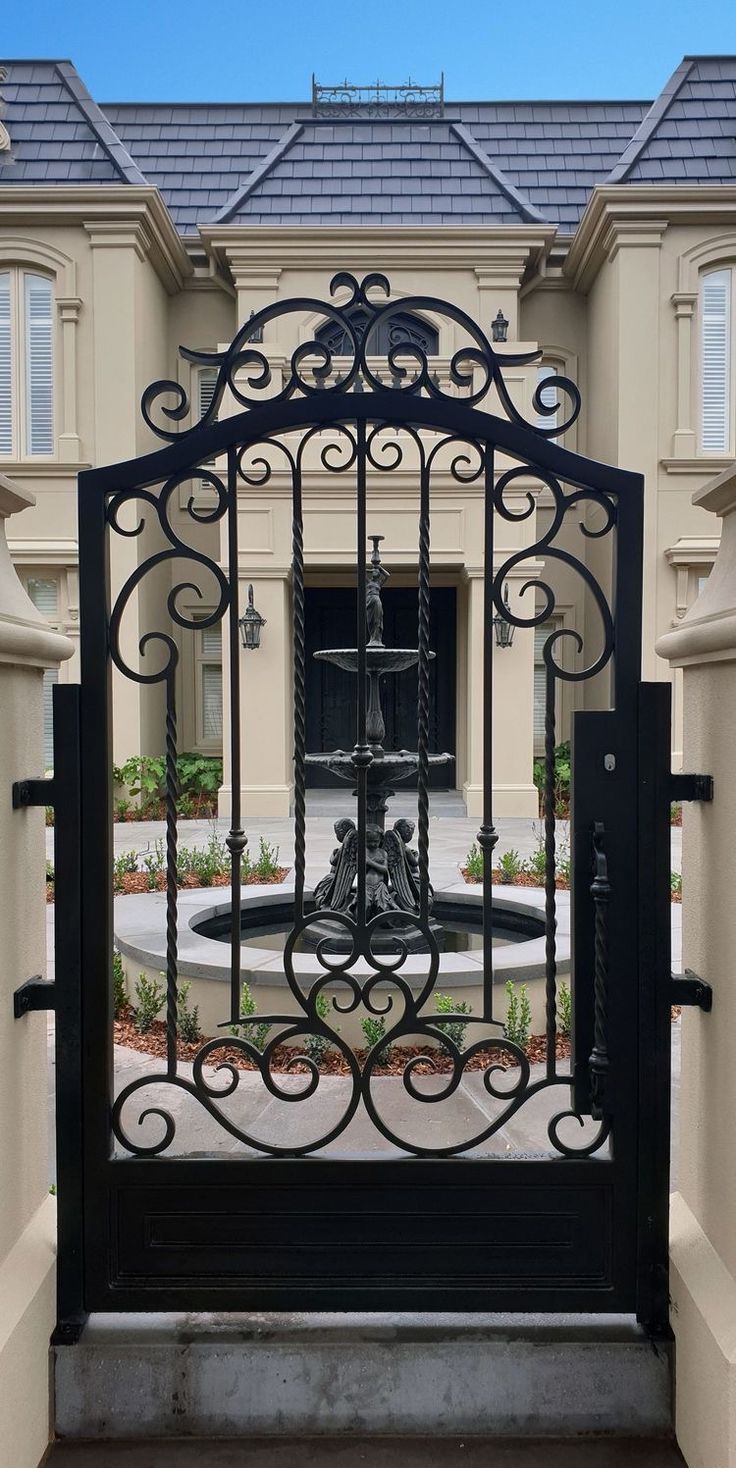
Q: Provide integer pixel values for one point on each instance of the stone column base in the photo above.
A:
(257, 800)
(508, 800)
(27, 1318)
(703, 1315)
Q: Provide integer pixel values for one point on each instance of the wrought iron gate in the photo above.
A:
(293, 1221)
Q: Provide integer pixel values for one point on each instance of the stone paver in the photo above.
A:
(371, 1453)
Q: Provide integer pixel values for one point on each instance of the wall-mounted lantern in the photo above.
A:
(503, 626)
(250, 624)
(499, 327)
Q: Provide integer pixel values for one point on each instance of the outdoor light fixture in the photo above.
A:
(503, 627)
(499, 327)
(250, 624)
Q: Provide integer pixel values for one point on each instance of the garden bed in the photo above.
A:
(208, 866)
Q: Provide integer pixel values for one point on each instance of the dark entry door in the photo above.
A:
(330, 692)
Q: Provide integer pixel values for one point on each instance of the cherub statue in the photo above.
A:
(403, 863)
(378, 898)
(334, 889)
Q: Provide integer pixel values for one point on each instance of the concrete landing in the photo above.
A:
(370, 1453)
(339, 1375)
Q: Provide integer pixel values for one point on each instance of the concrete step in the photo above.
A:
(245, 1376)
(371, 1453)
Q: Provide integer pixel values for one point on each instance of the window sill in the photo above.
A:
(28, 468)
(701, 464)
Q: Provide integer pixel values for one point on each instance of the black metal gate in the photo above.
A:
(295, 1222)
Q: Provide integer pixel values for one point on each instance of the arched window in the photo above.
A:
(716, 376)
(403, 327)
(26, 364)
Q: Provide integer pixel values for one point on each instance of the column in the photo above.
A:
(703, 1212)
(514, 792)
(27, 1211)
(265, 705)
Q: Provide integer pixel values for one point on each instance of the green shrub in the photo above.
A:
(122, 865)
(50, 872)
(119, 991)
(198, 775)
(454, 1029)
(187, 1020)
(149, 1000)
(256, 1034)
(510, 866)
(145, 777)
(537, 865)
(564, 1010)
(49, 815)
(474, 863)
(316, 1046)
(266, 863)
(374, 1029)
(562, 775)
(518, 1026)
(204, 863)
(676, 884)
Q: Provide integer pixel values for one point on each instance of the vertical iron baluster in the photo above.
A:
(423, 698)
(236, 839)
(297, 571)
(487, 835)
(550, 891)
(362, 755)
(172, 895)
(600, 891)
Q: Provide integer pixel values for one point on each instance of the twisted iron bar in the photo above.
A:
(172, 792)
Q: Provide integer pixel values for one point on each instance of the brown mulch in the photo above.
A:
(523, 879)
(153, 1042)
(202, 810)
(136, 882)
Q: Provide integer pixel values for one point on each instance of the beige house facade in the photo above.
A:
(604, 235)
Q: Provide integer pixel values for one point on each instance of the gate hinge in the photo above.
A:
(36, 993)
(689, 989)
(33, 792)
(691, 787)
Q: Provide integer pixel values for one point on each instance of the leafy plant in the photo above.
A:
(518, 1026)
(316, 1046)
(474, 863)
(150, 997)
(145, 776)
(122, 866)
(267, 861)
(676, 884)
(374, 1029)
(198, 774)
(454, 1029)
(49, 815)
(562, 776)
(187, 1020)
(119, 991)
(257, 1034)
(204, 863)
(121, 809)
(50, 872)
(510, 866)
(564, 1010)
(537, 865)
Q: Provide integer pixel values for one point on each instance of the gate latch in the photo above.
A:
(689, 989)
(36, 993)
(691, 787)
(32, 792)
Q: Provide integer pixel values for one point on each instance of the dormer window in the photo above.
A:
(403, 327)
(26, 365)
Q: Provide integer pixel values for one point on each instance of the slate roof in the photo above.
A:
(271, 163)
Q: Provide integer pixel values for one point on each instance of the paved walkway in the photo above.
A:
(370, 1453)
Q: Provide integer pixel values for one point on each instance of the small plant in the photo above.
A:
(374, 1029)
(510, 866)
(675, 813)
(454, 1029)
(149, 999)
(121, 809)
(50, 872)
(564, 1011)
(316, 1046)
(562, 775)
(49, 815)
(187, 1020)
(257, 1034)
(267, 862)
(204, 864)
(154, 864)
(676, 884)
(122, 866)
(564, 869)
(119, 991)
(474, 863)
(537, 865)
(518, 1026)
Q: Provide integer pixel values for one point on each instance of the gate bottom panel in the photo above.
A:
(457, 1235)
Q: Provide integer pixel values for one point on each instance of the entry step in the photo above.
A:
(372, 1453)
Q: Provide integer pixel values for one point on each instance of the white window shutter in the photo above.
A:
(211, 701)
(39, 343)
(548, 396)
(207, 383)
(50, 677)
(6, 368)
(44, 594)
(541, 634)
(716, 365)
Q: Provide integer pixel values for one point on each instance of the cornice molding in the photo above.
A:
(389, 247)
(615, 213)
(94, 208)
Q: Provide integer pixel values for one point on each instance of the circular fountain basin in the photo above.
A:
(266, 915)
(378, 659)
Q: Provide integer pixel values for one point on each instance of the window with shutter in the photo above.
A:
(50, 677)
(541, 633)
(6, 365)
(549, 397)
(44, 593)
(715, 302)
(208, 676)
(207, 382)
(26, 365)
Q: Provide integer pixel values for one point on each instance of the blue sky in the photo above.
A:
(190, 50)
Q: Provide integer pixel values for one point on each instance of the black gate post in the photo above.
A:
(71, 1314)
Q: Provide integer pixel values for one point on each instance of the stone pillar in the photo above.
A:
(514, 793)
(703, 1215)
(27, 1212)
(265, 705)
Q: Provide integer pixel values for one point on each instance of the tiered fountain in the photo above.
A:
(392, 887)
